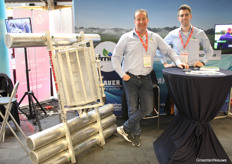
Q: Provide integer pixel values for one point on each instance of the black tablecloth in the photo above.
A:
(190, 138)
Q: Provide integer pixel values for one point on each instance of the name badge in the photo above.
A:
(184, 57)
(146, 60)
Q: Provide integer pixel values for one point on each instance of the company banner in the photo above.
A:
(111, 80)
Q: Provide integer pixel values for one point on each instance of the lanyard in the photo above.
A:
(181, 39)
(144, 45)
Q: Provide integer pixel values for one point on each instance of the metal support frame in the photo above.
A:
(8, 102)
(33, 113)
(62, 61)
(68, 52)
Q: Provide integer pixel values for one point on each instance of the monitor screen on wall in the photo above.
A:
(18, 25)
(223, 37)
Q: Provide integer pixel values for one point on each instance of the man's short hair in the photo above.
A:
(185, 7)
(140, 11)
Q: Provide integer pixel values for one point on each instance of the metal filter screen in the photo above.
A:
(77, 76)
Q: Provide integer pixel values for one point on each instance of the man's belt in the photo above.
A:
(137, 76)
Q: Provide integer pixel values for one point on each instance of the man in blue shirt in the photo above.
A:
(133, 59)
(227, 38)
(186, 41)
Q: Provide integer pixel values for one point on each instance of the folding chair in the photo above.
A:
(8, 101)
(6, 88)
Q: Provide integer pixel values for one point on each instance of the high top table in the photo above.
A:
(190, 138)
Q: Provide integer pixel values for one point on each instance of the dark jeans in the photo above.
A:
(139, 95)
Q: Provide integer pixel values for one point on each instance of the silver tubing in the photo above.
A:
(19, 40)
(46, 136)
(63, 157)
(53, 148)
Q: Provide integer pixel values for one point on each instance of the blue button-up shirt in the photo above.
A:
(129, 51)
(193, 47)
(226, 37)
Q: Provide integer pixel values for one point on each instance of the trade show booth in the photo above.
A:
(55, 60)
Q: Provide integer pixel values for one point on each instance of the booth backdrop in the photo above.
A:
(111, 19)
